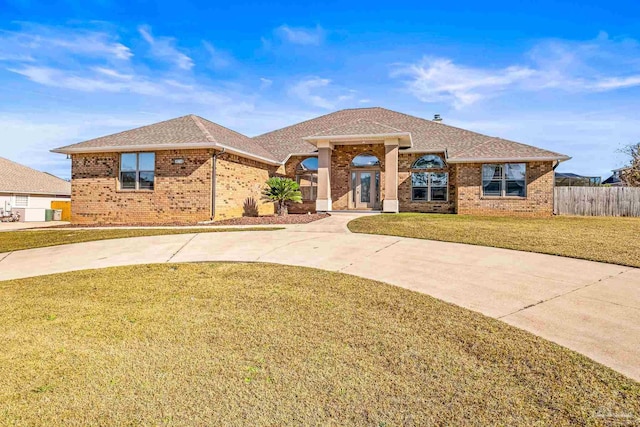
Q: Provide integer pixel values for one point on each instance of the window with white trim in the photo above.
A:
(504, 180)
(429, 186)
(307, 178)
(137, 171)
(22, 201)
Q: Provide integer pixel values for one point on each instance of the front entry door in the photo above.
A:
(365, 189)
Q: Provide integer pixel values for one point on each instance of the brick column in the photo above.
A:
(390, 202)
(323, 201)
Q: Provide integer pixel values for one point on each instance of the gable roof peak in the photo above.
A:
(198, 121)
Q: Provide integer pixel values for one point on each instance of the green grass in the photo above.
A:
(612, 240)
(258, 344)
(17, 240)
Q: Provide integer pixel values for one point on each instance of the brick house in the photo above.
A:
(189, 169)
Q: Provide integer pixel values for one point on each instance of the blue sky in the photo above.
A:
(563, 75)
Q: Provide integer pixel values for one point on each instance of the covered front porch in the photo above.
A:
(358, 171)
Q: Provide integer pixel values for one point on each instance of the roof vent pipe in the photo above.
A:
(437, 118)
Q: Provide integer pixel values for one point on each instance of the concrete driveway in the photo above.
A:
(590, 307)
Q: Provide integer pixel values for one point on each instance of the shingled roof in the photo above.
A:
(188, 131)
(359, 127)
(426, 135)
(17, 178)
(275, 147)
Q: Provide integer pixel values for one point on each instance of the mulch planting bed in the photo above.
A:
(272, 219)
(245, 220)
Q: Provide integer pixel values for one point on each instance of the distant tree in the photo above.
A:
(282, 191)
(631, 175)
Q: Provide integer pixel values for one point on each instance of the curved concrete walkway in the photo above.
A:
(590, 307)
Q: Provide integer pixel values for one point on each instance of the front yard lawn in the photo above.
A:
(605, 239)
(258, 344)
(17, 240)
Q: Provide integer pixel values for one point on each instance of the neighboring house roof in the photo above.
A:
(17, 178)
(423, 135)
(426, 135)
(183, 132)
(614, 180)
(568, 179)
(573, 175)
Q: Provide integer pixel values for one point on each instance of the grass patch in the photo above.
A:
(602, 239)
(259, 344)
(17, 240)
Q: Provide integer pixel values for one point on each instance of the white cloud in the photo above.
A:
(440, 80)
(34, 42)
(303, 90)
(613, 83)
(218, 58)
(10, 57)
(265, 83)
(106, 80)
(598, 65)
(320, 92)
(113, 73)
(98, 63)
(163, 48)
(300, 35)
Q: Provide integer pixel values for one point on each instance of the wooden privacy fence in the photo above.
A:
(597, 201)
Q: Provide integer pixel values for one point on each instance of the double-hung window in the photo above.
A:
(137, 171)
(429, 186)
(504, 180)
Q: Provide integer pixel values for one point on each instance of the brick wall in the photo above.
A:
(405, 161)
(341, 158)
(290, 172)
(538, 202)
(239, 186)
(182, 192)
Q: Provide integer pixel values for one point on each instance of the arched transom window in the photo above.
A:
(307, 178)
(365, 160)
(429, 161)
(429, 186)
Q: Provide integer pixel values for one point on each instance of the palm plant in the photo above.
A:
(282, 191)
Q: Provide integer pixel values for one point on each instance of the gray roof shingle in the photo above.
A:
(426, 136)
(17, 178)
(182, 130)
(359, 127)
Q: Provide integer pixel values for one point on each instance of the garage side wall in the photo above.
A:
(182, 192)
(239, 186)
